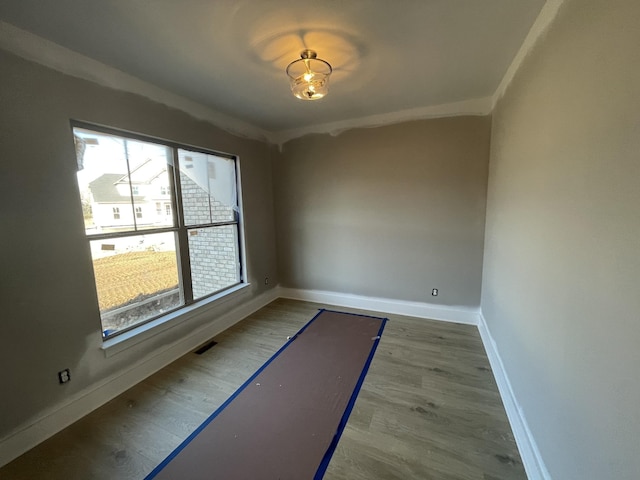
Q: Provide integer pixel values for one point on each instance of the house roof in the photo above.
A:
(144, 173)
(104, 190)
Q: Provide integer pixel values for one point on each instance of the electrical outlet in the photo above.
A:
(434, 292)
(64, 376)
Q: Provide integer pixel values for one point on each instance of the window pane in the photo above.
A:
(136, 278)
(208, 187)
(215, 259)
(120, 180)
(150, 183)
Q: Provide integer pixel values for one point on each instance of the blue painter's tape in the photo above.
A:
(345, 417)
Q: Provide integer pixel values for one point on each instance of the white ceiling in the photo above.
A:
(230, 55)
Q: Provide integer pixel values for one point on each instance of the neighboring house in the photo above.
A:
(112, 195)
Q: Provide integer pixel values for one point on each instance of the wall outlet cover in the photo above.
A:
(64, 376)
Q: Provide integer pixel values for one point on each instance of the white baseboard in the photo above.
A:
(446, 313)
(531, 458)
(73, 409)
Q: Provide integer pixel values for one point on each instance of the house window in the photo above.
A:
(177, 259)
(135, 190)
(164, 190)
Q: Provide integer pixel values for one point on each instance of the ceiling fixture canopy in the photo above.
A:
(309, 76)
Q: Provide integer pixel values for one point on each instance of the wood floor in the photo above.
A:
(428, 409)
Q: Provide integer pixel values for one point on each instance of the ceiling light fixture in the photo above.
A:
(309, 76)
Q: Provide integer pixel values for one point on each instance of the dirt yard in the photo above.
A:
(123, 278)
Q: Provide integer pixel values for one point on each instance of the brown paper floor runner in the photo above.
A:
(285, 421)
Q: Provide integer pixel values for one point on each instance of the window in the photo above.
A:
(168, 261)
(164, 190)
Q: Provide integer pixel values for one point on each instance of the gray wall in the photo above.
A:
(49, 316)
(386, 212)
(561, 285)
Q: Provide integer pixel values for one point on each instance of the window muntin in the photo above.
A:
(139, 243)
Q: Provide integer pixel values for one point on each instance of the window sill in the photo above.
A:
(135, 336)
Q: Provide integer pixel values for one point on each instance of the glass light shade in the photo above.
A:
(309, 76)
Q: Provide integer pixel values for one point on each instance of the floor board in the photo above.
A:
(428, 409)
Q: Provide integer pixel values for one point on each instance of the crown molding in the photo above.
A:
(545, 18)
(50, 54)
(62, 59)
(476, 107)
